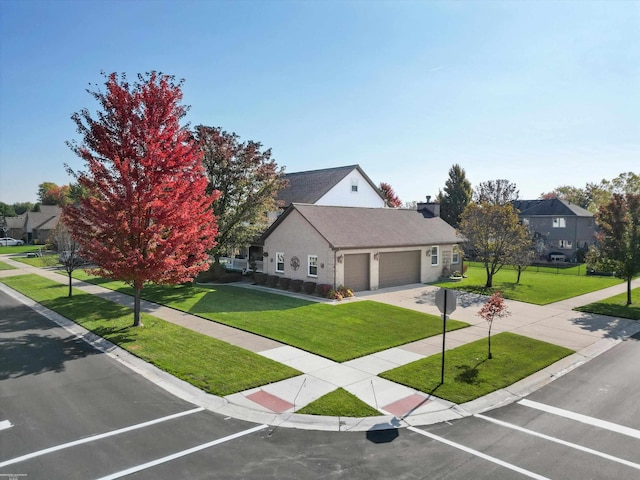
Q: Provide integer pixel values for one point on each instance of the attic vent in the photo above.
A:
(354, 185)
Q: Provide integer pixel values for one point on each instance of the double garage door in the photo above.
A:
(395, 268)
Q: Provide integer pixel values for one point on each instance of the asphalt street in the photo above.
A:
(70, 412)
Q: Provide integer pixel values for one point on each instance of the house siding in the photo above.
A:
(297, 238)
(341, 194)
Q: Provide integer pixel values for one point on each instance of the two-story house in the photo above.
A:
(560, 228)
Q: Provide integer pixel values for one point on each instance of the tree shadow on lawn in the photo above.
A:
(614, 327)
(468, 375)
(464, 298)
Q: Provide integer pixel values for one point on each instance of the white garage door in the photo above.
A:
(399, 268)
(356, 271)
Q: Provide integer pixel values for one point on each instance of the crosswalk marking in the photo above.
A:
(5, 424)
(596, 422)
(479, 454)
(183, 453)
(559, 441)
(96, 437)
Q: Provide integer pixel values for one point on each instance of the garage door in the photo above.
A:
(356, 271)
(399, 268)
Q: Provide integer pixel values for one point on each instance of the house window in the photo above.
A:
(354, 185)
(280, 262)
(312, 266)
(455, 255)
(566, 244)
(559, 222)
(434, 255)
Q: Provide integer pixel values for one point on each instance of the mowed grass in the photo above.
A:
(338, 332)
(339, 403)
(207, 363)
(535, 287)
(468, 372)
(6, 266)
(19, 249)
(616, 306)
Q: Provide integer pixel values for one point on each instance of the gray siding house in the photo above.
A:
(361, 248)
(560, 228)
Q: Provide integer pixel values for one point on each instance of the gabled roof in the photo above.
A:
(311, 186)
(359, 227)
(46, 219)
(550, 207)
(15, 222)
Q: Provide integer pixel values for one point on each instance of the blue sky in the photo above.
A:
(542, 93)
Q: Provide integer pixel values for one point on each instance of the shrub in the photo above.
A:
(345, 291)
(296, 285)
(284, 283)
(272, 280)
(309, 287)
(323, 289)
(334, 295)
(260, 278)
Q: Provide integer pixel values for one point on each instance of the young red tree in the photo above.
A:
(145, 216)
(494, 308)
(390, 195)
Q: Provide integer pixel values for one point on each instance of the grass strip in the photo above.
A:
(470, 375)
(339, 403)
(338, 332)
(6, 266)
(535, 287)
(616, 306)
(207, 363)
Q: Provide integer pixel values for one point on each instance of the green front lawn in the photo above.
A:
(207, 363)
(616, 306)
(338, 332)
(6, 266)
(339, 403)
(536, 287)
(20, 249)
(470, 375)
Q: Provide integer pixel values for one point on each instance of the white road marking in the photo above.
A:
(97, 437)
(561, 442)
(596, 422)
(5, 424)
(183, 453)
(484, 456)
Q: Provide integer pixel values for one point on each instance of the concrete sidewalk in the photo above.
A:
(275, 404)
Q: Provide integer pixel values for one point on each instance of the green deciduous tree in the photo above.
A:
(496, 192)
(246, 180)
(619, 238)
(456, 196)
(493, 235)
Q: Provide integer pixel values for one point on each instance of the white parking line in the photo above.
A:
(484, 456)
(183, 453)
(561, 442)
(96, 437)
(5, 424)
(596, 422)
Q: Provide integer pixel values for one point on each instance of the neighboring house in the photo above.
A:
(34, 227)
(560, 228)
(361, 248)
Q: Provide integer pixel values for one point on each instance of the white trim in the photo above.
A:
(276, 267)
(309, 274)
(437, 255)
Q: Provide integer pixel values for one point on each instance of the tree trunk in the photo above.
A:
(490, 356)
(70, 283)
(489, 283)
(519, 273)
(137, 289)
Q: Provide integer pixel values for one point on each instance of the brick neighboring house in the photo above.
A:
(560, 227)
(34, 227)
(361, 248)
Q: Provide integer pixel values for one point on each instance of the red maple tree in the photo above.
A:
(493, 308)
(145, 216)
(389, 195)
